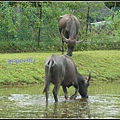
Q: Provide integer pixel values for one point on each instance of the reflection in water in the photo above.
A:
(105, 105)
(68, 109)
(34, 106)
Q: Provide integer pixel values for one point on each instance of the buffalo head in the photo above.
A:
(71, 43)
(83, 85)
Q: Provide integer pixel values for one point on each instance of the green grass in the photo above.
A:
(104, 66)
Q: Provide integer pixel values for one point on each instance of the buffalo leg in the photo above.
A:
(47, 95)
(65, 92)
(62, 47)
(55, 92)
(76, 92)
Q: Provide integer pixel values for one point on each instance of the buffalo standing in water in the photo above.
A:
(61, 71)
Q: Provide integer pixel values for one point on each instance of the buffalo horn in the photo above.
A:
(64, 38)
(89, 76)
(77, 42)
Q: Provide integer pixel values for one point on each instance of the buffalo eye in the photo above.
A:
(71, 47)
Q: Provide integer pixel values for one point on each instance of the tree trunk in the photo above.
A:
(87, 22)
(40, 25)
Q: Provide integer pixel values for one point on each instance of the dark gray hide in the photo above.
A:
(61, 71)
(68, 27)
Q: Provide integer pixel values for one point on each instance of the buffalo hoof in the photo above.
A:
(69, 54)
(73, 97)
(66, 97)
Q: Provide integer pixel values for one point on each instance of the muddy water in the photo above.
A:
(29, 102)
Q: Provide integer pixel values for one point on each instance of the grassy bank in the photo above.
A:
(104, 66)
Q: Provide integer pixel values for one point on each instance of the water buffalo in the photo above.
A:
(68, 25)
(62, 71)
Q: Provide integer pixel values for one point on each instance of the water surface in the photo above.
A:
(103, 102)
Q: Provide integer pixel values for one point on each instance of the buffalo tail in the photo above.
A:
(48, 75)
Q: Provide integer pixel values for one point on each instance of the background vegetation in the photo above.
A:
(33, 26)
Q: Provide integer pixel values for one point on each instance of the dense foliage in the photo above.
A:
(22, 23)
(112, 4)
